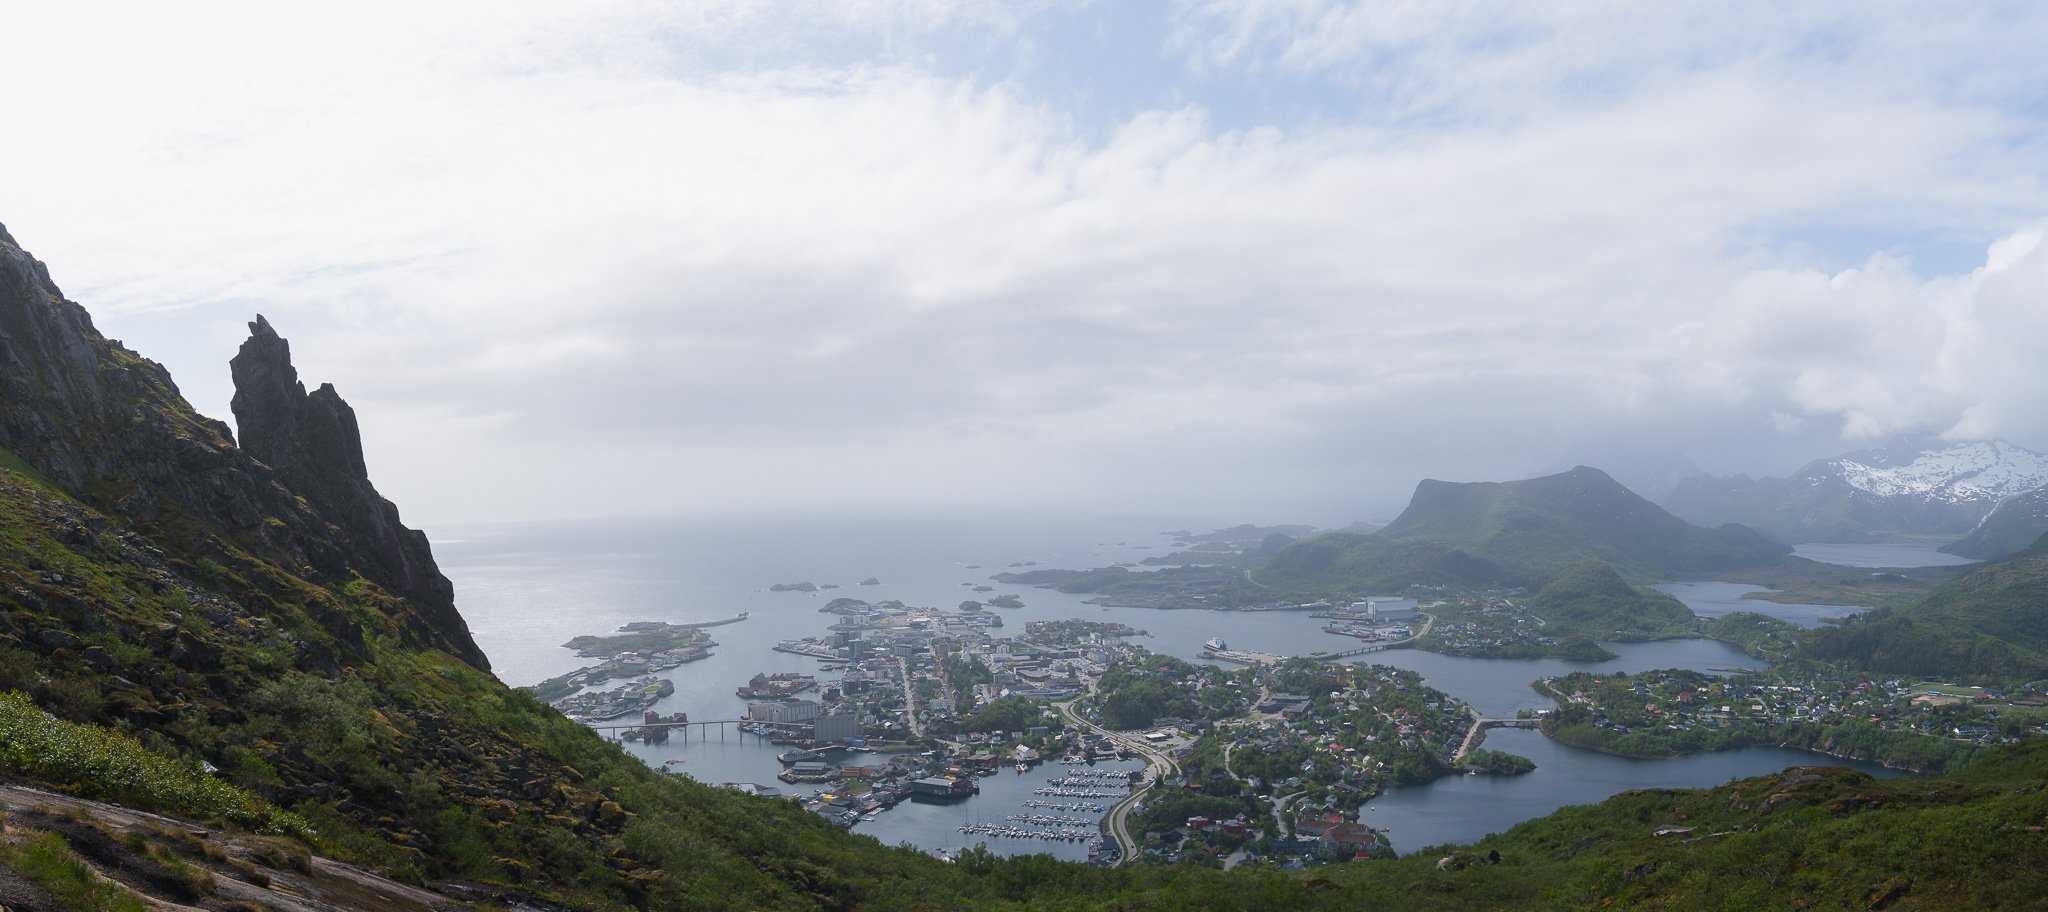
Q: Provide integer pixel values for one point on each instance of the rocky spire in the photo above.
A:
(312, 442)
(315, 436)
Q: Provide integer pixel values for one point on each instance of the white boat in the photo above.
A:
(1216, 644)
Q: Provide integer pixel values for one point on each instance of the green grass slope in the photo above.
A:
(1989, 623)
(1589, 597)
(1342, 564)
(1545, 523)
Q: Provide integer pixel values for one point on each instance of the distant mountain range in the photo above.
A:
(1913, 488)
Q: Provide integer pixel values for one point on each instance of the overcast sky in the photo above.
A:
(1276, 259)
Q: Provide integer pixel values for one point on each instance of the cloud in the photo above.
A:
(745, 254)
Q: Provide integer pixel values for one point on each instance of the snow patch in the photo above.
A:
(1982, 471)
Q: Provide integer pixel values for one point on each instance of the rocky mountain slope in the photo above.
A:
(1914, 487)
(260, 611)
(2012, 526)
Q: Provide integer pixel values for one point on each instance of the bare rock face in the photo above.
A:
(313, 444)
(106, 424)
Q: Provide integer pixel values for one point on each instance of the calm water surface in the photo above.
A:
(1710, 598)
(1901, 554)
(527, 588)
(1466, 809)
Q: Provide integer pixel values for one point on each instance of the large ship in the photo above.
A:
(1216, 644)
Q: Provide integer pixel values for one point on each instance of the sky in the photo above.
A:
(1273, 259)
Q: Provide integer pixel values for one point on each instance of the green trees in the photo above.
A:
(1009, 714)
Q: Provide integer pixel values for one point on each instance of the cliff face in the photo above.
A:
(109, 427)
(314, 446)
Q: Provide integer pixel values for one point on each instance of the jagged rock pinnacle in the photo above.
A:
(313, 444)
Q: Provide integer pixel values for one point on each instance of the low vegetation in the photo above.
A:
(98, 763)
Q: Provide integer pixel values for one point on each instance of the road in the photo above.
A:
(909, 700)
(1158, 766)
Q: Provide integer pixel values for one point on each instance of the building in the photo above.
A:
(944, 788)
(836, 727)
(783, 713)
(1388, 607)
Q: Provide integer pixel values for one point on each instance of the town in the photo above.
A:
(1922, 726)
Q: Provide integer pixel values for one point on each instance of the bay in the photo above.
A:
(526, 588)
(1467, 809)
(1712, 599)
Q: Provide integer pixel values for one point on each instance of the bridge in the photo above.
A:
(704, 726)
(1348, 653)
(1479, 723)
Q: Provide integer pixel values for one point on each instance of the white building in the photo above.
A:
(792, 711)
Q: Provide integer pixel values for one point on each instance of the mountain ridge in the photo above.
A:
(1912, 487)
(1548, 522)
(2016, 522)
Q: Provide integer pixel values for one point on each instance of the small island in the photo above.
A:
(648, 636)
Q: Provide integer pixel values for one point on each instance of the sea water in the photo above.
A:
(526, 588)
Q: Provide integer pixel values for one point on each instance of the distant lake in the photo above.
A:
(1896, 554)
(1712, 599)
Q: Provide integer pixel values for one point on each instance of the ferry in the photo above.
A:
(799, 755)
(1216, 644)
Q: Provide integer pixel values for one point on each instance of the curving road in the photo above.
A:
(1157, 766)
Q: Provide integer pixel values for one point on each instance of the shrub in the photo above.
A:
(100, 763)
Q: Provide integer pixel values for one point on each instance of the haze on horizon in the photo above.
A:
(1269, 258)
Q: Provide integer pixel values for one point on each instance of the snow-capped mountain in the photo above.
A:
(1962, 473)
(1914, 487)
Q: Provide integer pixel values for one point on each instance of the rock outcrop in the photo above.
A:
(313, 444)
(109, 427)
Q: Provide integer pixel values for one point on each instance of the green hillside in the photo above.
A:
(1990, 623)
(1346, 563)
(1589, 597)
(1543, 523)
